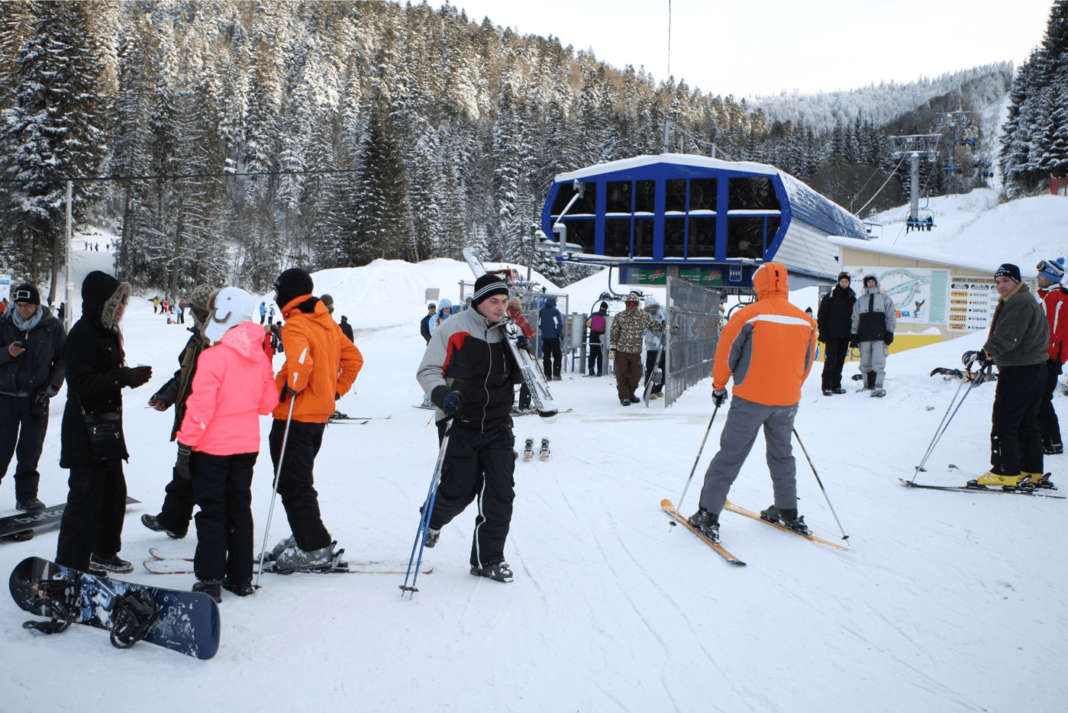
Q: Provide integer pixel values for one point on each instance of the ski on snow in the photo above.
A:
(756, 516)
(163, 564)
(670, 510)
(982, 489)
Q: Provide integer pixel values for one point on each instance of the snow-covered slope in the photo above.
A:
(944, 601)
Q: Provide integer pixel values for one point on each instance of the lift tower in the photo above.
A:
(915, 145)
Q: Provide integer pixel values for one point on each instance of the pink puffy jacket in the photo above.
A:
(233, 387)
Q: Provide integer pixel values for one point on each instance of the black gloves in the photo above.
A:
(136, 376)
(889, 338)
(181, 466)
(451, 402)
(853, 341)
(521, 342)
(39, 407)
(979, 358)
(719, 397)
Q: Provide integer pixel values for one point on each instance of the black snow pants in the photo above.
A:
(177, 510)
(834, 355)
(21, 434)
(551, 358)
(222, 486)
(1016, 439)
(1047, 416)
(296, 484)
(92, 520)
(479, 466)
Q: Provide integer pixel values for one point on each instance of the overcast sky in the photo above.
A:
(760, 47)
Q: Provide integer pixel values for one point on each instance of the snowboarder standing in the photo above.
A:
(470, 375)
(1055, 304)
(321, 366)
(872, 328)
(1019, 338)
(177, 510)
(835, 320)
(31, 372)
(220, 439)
(90, 535)
(625, 340)
(768, 347)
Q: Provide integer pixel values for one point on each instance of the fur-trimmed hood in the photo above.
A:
(101, 293)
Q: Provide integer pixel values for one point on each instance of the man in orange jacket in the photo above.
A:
(321, 365)
(769, 348)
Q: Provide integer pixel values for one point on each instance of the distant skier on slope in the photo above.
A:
(470, 376)
(768, 347)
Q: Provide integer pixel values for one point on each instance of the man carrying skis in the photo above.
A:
(470, 375)
(1055, 304)
(1019, 338)
(768, 347)
(321, 365)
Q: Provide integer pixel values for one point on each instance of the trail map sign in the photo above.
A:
(920, 294)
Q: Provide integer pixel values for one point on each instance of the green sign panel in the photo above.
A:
(701, 276)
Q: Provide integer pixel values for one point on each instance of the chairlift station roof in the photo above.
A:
(710, 221)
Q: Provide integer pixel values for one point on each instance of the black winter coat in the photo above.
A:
(836, 313)
(95, 376)
(176, 391)
(41, 365)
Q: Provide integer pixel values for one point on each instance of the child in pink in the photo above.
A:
(220, 439)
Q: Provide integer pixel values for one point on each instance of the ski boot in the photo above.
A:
(544, 448)
(787, 518)
(241, 589)
(528, 449)
(211, 587)
(992, 479)
(1040, 480)
(432, 536)
(878, 392)
(29, 505)
(498, 571)
(625, 402)
(839, 390)
(278, 549)
(109, 564)
(828, 392)
(1054, 449)
(294, 559)
(706, 523)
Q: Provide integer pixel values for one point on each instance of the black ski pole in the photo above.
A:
(424, 520)
(844, 536)
(696, 460)
(946, 420)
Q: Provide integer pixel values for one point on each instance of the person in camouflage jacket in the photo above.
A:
(625, 339)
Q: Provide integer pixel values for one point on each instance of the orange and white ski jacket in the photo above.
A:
(768, 346)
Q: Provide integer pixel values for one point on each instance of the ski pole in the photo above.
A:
(424, 520)
(696, 460)
(274, 494)
(946, 420)
(844, 536)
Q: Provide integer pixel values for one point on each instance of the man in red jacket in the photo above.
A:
(1055, 304)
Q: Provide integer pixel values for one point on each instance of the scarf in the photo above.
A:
(26, 325)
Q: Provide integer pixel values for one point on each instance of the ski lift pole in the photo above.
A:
(825, 496)
(696, 460)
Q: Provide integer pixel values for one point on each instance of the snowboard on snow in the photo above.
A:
(186, 622)
(25, 525)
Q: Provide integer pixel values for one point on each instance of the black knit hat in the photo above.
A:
(291, 284)
(1008, 270)
(845, 276)
(487, 286)
(26, 293)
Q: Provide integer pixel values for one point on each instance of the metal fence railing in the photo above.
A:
(697, 312)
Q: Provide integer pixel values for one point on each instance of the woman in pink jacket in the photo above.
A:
(220, 439)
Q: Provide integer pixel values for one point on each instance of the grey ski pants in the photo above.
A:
(743, 423)
(873, 358)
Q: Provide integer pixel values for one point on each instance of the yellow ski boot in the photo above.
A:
(992, 479)
(1040, 480)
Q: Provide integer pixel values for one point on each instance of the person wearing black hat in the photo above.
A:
(597, 325)
(90, 535)
(470, 375)
(1017, 344)
(31, 372)
(872, 329)
(834, 317)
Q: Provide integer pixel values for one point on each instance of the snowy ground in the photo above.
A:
(944, 602)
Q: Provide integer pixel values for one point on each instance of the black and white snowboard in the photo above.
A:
(186, 622)
(24, 525)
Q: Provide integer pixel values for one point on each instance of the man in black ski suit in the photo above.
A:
(424, 325)
(90, 535)
(470, 375)
(835, 318)
(31, 372)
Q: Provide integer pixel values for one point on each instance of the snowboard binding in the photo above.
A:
(60, 597)
(133, 615)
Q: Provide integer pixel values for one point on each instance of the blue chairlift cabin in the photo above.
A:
(709, 221)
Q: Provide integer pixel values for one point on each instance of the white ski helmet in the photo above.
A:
(231, 307)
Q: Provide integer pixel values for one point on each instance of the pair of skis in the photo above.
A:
(164, 564)
(669, 508)
(528, 449)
